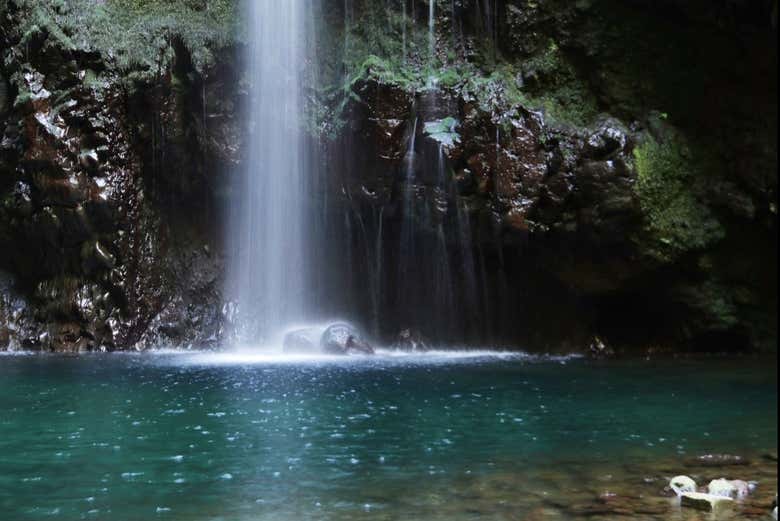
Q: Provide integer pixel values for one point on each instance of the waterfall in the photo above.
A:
(270, 227)
(444, 300)
(406, 248)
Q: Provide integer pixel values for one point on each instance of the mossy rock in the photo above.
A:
(670, 186)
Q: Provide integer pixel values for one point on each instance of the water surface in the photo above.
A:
(234, 437)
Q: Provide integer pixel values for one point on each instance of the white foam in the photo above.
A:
(273, 355)
(265, 356)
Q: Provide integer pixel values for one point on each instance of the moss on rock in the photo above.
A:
(668, 186)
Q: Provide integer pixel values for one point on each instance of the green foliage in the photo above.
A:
(385, 71)
(557, 88)
(668, 181)
(42, 20)
(444, 131)
(133, 34)
(137, 31)
(374, 41)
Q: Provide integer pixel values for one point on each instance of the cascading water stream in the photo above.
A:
(443, 292)
(407, 246)
(271, 227)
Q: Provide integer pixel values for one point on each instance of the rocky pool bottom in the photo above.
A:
(436, 436)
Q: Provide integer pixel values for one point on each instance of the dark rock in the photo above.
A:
(410, 340)
(5, 338)
(717, 460)
(88, 159)
(95, 256)
(609, 137)
(344, 339)
(600, 349)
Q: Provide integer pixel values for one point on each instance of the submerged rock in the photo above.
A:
(344, 339)
(706, 502)
(718, 460)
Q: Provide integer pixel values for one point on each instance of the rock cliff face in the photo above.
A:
(553, 175)
(108, 183)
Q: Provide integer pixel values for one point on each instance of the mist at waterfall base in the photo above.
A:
(307, 248)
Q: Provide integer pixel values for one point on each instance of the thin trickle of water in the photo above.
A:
(203, 102)
(498, 148)
(270, 228)
(467, 264)
(490, 13)
(376, 298)
(487, 316)
(445, 283)
(406, 249)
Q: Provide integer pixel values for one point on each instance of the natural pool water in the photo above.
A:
(438, 436)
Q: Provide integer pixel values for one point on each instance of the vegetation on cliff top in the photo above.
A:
(133, 35)
(376, 41)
